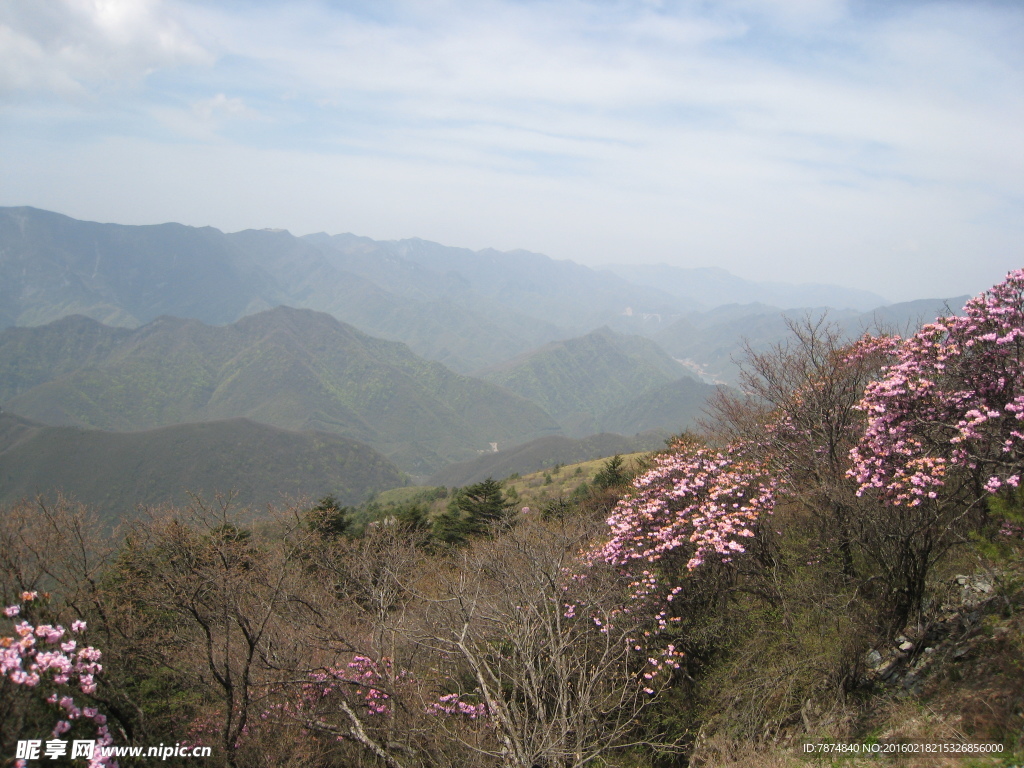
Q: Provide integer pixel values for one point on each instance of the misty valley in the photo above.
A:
(405, 358)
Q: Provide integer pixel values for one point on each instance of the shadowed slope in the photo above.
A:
(116, 472)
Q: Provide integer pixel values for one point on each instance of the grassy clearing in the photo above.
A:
(540, 488)
(535, 490)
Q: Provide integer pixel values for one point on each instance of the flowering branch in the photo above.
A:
(40, 657)
(952, 399)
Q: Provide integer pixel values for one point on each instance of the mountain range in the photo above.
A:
(425, 355)
(413, 291)
(466, 309)
(290, 368)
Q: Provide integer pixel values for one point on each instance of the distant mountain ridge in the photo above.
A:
(707, 287)
(570, 296)
(466, 309)
(53, 266)
(580, 380)
(294, 369)
(115, 472)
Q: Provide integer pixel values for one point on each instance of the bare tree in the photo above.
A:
(375, 699)
(245, 615)
(57, 546)
(542, 646)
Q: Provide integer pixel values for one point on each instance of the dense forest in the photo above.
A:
(834, 557)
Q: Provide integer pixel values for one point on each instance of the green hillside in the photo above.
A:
(674, 407)
(116, 472)
(33, 356)
(294, 369)
(578, 380)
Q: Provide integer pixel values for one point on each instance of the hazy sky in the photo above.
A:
(876, 144)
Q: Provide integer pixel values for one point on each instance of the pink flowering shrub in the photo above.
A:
(952, 399)
(697, 503)
(365, 683)
(362, 688)
(362, 680)
(455, 704)
(49, 659)
(696, 508)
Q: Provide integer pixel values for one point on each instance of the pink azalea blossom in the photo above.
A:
(38, 659)
(694, 506)
(952, 399)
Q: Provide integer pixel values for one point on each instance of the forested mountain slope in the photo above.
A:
(675, 407)
(115, 472)
(578, 381)
(295, 369)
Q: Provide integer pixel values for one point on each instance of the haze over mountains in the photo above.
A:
(709, 287)
(711, 343)
(583, 382)
(463, 308)
(425, 354)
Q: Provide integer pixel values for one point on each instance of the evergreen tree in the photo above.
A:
(474, 510)
(484, 505)
(613, 474)
(413, 516)
(329, 518)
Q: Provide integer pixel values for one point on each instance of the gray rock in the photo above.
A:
(888, 669)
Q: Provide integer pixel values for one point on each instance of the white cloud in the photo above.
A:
(70, 46)
(780, 138)
(793, 15)
(221, 106)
